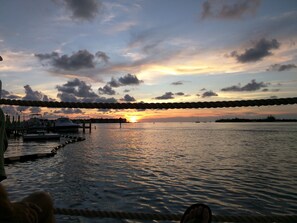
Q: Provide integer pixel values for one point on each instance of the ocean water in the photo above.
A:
(235, 168)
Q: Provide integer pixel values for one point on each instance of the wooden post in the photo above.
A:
(120, 120)
(90, 126)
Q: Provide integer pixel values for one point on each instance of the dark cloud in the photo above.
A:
(128, 79)
(126, 90)
(283, 67)
(228, 9)
(180, 93)
(67, 97)
(47, 56)
(83, 9)
(252, 86)
(104, 100)
(69, 111)
(167, 95)
(103, 56)
(259, 51)
(128, 98)
(177, 83)
(81, 59)
(35, 95)
(77, 88)
(114, 83)
(106, 90)
(208, 94)
(78, 91)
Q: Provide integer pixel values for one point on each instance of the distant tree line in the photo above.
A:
(269, 118)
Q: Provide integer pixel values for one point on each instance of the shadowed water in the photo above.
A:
(164, 167)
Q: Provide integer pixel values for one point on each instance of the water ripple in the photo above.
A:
(235, 168)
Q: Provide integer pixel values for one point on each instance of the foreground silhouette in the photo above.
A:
(197, 213)
(36, 208)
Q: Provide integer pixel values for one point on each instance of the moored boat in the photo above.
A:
(65, 125)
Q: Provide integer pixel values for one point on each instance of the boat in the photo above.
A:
(35, 123)
(41, 135)
(65, 125)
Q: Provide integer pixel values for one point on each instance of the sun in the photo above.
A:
(133, 119)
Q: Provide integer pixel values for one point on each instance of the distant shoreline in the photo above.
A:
(268, 119)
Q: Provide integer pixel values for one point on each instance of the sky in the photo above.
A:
(149, 51)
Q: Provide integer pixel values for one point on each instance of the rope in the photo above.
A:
(170, 217)
(175, 105)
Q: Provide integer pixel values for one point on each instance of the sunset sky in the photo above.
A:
(149, 51)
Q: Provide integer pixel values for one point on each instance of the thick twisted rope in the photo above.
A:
(170, 217)
(174, 105)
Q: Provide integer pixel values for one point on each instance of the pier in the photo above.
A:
(16, 127)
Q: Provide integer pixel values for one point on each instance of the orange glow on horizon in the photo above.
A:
(132, 119)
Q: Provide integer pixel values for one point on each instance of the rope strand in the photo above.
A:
(174, 105)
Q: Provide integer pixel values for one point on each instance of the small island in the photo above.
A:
(269, 118)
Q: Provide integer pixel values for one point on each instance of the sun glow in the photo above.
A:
(132, 119)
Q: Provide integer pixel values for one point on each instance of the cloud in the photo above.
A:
(83, 9)
(78, 91)
(252, 86)
(81, 59)
(180, 93)
(35, 95)
(128, 98)
(8, 95)
(226, 9)
(35, 110)
(177, 83)
(147, 41)
(283, 67)
(128, 79)
(106, 90)
(258, 52)
(167, 95)
(69, 111)
(103, 56)
(208, 94)
(30, 95)
(283, 26)
(114, 83)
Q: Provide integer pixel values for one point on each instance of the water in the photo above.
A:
(235, 168)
